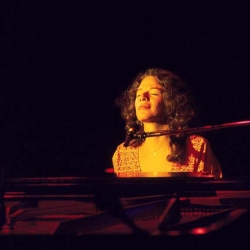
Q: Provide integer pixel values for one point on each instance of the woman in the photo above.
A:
(159, 100)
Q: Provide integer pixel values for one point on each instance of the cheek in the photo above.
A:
(136, 103)
(161, 106)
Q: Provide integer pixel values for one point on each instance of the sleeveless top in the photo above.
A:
(200, 159)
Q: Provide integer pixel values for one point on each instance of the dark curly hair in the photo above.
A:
(179, 113)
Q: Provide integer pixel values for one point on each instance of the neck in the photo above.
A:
(150, 127)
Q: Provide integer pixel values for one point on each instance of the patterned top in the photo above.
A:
(201, 159)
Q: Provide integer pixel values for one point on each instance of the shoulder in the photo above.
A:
(198, 143)
(197, 139)
(121, 147)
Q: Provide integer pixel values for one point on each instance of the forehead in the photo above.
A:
(149, 82)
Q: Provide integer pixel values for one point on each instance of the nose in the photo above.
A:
(144, 97)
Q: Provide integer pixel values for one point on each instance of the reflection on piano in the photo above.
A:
(162, 208)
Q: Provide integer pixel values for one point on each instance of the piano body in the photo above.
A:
(136, 211)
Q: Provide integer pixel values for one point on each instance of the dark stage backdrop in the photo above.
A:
(64, 63)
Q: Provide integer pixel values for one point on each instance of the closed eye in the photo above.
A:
(154, 93)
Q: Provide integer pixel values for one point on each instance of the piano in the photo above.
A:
(126, 212)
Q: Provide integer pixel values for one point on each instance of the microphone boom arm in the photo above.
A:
(207, 128)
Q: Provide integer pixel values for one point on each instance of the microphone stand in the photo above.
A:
(143, 136)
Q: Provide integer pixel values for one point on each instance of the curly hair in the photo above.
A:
(179, 112)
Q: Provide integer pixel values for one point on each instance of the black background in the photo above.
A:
(64, 63)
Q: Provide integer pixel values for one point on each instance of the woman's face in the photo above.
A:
(149, 103)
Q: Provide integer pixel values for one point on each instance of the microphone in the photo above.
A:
(129, 136)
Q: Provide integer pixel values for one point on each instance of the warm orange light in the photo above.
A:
(199, 230)
(109, 170)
